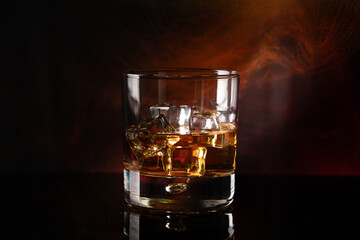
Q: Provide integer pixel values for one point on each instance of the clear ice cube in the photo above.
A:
(145, 141)
(168, 110)
(159, 124)
(204, 120)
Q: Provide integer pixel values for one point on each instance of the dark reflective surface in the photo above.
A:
(218, 225)
(91, 206)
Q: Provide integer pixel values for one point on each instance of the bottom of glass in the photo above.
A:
(190, 195)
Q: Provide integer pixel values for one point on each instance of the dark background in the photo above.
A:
(299, 61)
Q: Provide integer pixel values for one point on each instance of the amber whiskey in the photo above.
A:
(201, 153)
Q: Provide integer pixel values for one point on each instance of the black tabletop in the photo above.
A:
(91, 206)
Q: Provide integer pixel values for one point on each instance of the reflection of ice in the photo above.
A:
(133, 87)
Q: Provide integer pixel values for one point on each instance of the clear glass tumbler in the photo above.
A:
(180, 139)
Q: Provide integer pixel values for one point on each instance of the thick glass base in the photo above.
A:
(178, 194)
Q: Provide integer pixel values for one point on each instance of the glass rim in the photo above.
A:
(181, 73)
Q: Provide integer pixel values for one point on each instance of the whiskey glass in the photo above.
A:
(180, 128)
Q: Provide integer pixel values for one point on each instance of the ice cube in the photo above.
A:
(168, 110)
(188, 161)
(227, 137)
(143, 145)
(182, 122)
(157, 125)
(197, 165)
(147, 139)
(204, 120)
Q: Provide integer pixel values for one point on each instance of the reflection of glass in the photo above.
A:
(219, 225)
(180, 127)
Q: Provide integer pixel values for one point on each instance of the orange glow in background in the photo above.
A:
(298, 61)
